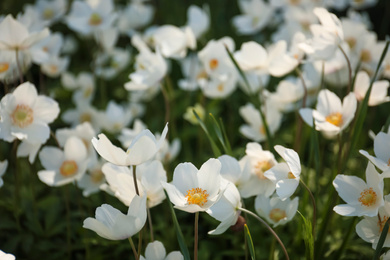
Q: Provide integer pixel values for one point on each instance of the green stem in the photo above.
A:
(150, 224)
(196, 236)
(269, 229)
(135, 179)
(313, 201)
(19, 67)
(349, 70)
(139, 242)
(346, 239)
(68, 222)
(133, 248)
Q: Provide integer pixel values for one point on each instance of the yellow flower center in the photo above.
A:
(96, 176)
(197, 196)
(68, 168)
(367, 197)
(213, 64)
(48, 14)
(295, 2)
(4, 66)
(22, 116)
(53, 69)
(95, 19)
(85, 117)
(203, 75)
(220, 87)
(335, 119)
(365, 56)
(290, 175)
(388, 162)
(351, 42)
(277, 215)
(261, 167)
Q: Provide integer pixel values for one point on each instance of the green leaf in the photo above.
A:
(381, 241)
(250, 242)
(221, 137)
(308, 237)
(214, 146)
(179, 234)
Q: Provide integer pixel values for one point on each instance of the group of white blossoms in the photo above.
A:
(300, 42)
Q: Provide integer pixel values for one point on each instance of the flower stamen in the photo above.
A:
(22, 116)
(368, 197)
(277, 215)
(197, 196)
(68, 168)
(335, 119)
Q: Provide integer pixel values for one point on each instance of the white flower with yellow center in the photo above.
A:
(194, 190)
(25, 115)
(378, 94)
(370, 228)
(363, 198)
(381, 150)
(63, 166)
(156, 251)
(330, 116)
(112, 224)
(142, 148)
(274, 210)
(286, 176)
(259, 162)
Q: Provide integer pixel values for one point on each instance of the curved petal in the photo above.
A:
(109, 151)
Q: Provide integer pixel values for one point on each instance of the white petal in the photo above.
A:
(109, 151)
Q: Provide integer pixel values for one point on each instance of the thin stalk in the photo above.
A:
(133, 248)
(17, 184)
(135, 179)
(313, 201)
(68, 222)
(166, 100)
(269, 229)
(349, 69)
(196, 236)
(272, 250)
(300, 121)
(150, 223)
(19, 67)
(139, 242)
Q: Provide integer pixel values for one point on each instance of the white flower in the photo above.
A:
(234, 171)
(255, 129)
(150, 67)
(3, 168)
(55, 66)
(198, 20)
(274, 210)
(15, 36)
(326, 37)
(330, 117)
(194, 190)
(363, 198)
(172, 42)
(90, 183)
(112, 224)
(89, 16)
(259, 162)
(116, 117)
(63, 167)
(378, 93)
(226, 210)
(142, 148)
(286, 176)
(25, 115)
(256, 15)
(127, 134)
(251, 56)
(381, 150)
(5, 256)
(156, 251)
(370, 228)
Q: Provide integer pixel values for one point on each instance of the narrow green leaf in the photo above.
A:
(229, 148)
(254, 100)
(308, 237)
(179, 234)
(250, 242)
(381, 241)
(362, 111)
(214, 146)
(218, 132)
